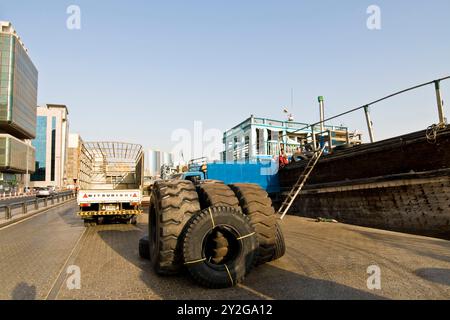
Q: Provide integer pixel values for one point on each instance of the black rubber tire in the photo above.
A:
(144, 248)
(210, 181)
(242, 258)
(173, 204)
(280, 245)
(128, 220)
(90, 222)
(216, 195)
(256, 204)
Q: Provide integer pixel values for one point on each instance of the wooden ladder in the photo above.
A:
(295, 191)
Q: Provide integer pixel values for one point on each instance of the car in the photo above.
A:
(45, 192)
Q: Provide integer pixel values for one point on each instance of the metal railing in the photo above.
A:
(366, 108)
(9, 210)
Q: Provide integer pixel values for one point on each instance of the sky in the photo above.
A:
(138, 70)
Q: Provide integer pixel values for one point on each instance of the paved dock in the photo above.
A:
(323, 261)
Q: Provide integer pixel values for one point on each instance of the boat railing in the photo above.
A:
(442, 121)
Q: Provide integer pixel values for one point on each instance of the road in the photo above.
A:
(323, 261)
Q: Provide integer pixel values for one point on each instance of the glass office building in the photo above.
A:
(40, 143)
(51, 143)
(18, 101)
(18, 86)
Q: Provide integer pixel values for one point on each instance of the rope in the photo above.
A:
(229, 275)
(195, 261)
(433, 131)
(249, 235)
(212, 219)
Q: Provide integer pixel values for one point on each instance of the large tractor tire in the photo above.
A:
(217, 195)
(256, 204)
(144, 248)
(220, 247)
(280, 245)
(173, 204)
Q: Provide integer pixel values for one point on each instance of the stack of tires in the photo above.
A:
(217, 232)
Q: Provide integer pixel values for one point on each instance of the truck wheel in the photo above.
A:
(90, 222)
(280, 245)
(173, 203)
(144, 248)
(220, 247)
(256, 204)
(131, 220)
(217, 195)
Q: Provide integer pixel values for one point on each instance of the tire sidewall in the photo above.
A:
(241, 264)
(153, 229)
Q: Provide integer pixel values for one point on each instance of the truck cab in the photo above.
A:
(196, 171)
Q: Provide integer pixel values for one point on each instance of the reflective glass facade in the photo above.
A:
(53, 153)
(13, 155)
(40, 143)
(5, 75)
(18, 89)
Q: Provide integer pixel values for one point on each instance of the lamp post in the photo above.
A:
(27, 174)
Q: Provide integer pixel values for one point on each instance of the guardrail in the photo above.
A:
(8, 211)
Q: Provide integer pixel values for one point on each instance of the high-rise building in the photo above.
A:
(155, 160)
(18, 100)
(51, 144)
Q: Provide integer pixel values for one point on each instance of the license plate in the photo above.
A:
(110, 208)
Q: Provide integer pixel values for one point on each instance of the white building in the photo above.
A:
(261, 138)
(79, 162)
(52, 135)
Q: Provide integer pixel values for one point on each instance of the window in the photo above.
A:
(53, 155)
(258, 137)
(247, 148)
(40, 143)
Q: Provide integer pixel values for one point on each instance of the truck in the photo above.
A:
(110, 182)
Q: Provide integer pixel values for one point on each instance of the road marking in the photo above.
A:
(59, 281)
(257, 293)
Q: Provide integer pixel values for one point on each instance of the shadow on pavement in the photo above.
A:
(265, 282)
(24, 291)
(415, 244)
(68, 213)
(280, 284)
(436, 275)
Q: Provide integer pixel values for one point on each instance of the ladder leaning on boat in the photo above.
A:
(297, 188)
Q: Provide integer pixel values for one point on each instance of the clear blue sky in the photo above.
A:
(137, 70)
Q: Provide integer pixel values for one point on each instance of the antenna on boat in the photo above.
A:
(322, 113)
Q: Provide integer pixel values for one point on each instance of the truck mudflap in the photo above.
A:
(110, 213)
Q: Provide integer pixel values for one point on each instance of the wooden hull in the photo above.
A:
(400, 184)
